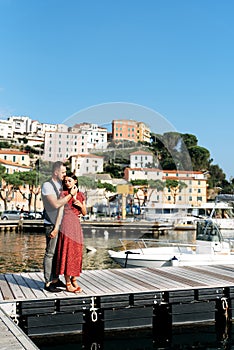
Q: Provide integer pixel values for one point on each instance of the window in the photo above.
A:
(199, 190)
(180, 198)
(199, 199)
(190, 198)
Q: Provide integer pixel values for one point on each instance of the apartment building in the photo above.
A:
(61, 145)
(6, 130)
(83, 164)
(130, 130)
(195, 192)
(143, 132)
(96, 135)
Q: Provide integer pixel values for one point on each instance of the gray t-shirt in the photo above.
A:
(48, 189)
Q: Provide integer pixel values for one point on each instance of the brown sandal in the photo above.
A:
(75, 285)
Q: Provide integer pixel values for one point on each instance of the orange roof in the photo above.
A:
(178, 178)
(142, 152)
(182, 172)
(86, 156)
(8, 162)
(12, 151)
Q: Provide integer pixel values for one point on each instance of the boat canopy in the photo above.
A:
(225, 198)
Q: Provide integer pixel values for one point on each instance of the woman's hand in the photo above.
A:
(77, 203)
(53, 233)
(81, 206)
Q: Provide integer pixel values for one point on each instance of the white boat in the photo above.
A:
(210, 248)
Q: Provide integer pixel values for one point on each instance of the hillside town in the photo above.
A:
(80, 147)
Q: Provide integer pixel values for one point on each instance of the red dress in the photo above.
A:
(70, 240)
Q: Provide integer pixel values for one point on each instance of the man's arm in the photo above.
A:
(57, 203)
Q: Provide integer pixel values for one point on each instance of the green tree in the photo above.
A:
(175, 186)
(31, 178)
(115, 170)
(200, 158)
(157, 185)
(9, 184)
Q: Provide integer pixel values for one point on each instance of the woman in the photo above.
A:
(70, 240)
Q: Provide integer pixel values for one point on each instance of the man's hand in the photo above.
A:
(53, 233)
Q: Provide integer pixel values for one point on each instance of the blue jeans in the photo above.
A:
(49, 263)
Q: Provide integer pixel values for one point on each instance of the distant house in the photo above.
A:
(12, 167)
(15, 156)
(84, 164)
(141, 159)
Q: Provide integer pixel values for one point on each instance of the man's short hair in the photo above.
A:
(57, 165)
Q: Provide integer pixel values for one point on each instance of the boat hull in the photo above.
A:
(169, 258)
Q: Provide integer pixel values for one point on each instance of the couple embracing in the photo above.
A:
(63, 206)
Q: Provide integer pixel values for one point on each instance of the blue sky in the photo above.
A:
(172, 56)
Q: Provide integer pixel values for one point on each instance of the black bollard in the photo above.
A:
(162, 323)
(223, 317)
(93, 326)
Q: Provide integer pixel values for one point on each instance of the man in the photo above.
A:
(50, 195)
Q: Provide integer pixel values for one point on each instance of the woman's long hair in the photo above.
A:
(74, 177)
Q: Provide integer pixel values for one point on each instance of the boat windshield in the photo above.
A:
(207, 230)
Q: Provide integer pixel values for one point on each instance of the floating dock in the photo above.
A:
(120, 299)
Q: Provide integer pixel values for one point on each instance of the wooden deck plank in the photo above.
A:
(173, 275)
(15, 288)
(5, 289)
(96, 284)
(34, 285)
(109, 284)
(200, 275)
(132, 279)
(153, 282)
(24, 287)
(12, 337)
(120, 283)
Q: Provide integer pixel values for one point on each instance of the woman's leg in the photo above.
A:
(69, 286)
(75, 284)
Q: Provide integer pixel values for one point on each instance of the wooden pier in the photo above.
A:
(117, 299)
